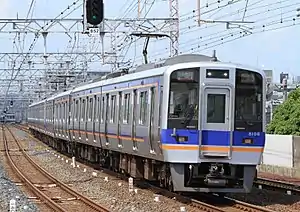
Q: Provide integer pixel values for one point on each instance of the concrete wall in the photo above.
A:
(296, 152)
(278, 151)
(281, 155)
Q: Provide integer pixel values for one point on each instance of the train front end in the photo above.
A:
(213, 130)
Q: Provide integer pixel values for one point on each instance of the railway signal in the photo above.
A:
(94, 11)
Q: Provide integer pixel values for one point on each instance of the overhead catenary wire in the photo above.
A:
(45, 27)
(159, 52)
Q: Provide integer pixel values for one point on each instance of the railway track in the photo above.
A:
(275, 185)
(231, 205)
(209, 203)
(203, 202)
(56, 195)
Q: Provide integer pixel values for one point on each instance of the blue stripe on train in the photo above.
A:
(210, 137)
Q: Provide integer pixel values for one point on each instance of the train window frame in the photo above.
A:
(119, 107)
(102, 106)
(76, 110)
(97, 108)
(55, 112)
(250, 107)
(112, 112)
(67, 110)
(72, 110)
(126, 107)
(215, 107)
(63, 111)
(59, 113)
(143, 106)
(90, 109)
(83, 109)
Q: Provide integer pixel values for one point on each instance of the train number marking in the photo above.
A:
(254, 134)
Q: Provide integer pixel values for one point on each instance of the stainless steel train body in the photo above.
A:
(9, 117)
(196, 126)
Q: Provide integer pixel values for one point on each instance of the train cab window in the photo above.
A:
(216, 108)
(248, 101)
(184, 99)
(143, 103)
(126, 108)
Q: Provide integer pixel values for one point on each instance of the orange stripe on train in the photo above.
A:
(212, 148)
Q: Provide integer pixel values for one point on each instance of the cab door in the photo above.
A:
(216, 135)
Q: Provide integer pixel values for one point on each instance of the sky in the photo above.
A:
(276, 50)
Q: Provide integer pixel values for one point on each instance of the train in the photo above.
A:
(9, 117)
(190, 123)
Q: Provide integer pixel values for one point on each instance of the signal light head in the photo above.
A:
(94, 11)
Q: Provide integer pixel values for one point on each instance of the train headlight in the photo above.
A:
(247, 141)
(182, 139)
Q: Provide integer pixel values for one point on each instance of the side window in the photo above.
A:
(126, 108)
(59, 112)
(153, 98)
(55, 112)
(76, 108)
(113, 109)
(216, 108)
(143, 104)
(119, 110)
(91, 109)
(63, 111)
(83, 109)
(97, 108)
(102, 109)
(67, 111)
(73, 110)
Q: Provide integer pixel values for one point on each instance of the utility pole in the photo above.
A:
(198, 12)
(174, 34)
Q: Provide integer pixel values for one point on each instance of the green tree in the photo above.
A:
(286, 117)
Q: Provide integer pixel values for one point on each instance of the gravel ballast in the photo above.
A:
(9, 190)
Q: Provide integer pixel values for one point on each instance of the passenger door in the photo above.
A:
(215, 136)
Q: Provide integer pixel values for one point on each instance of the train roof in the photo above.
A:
(37, 103)
(62, 94)
(126, 77)
(155, 69)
